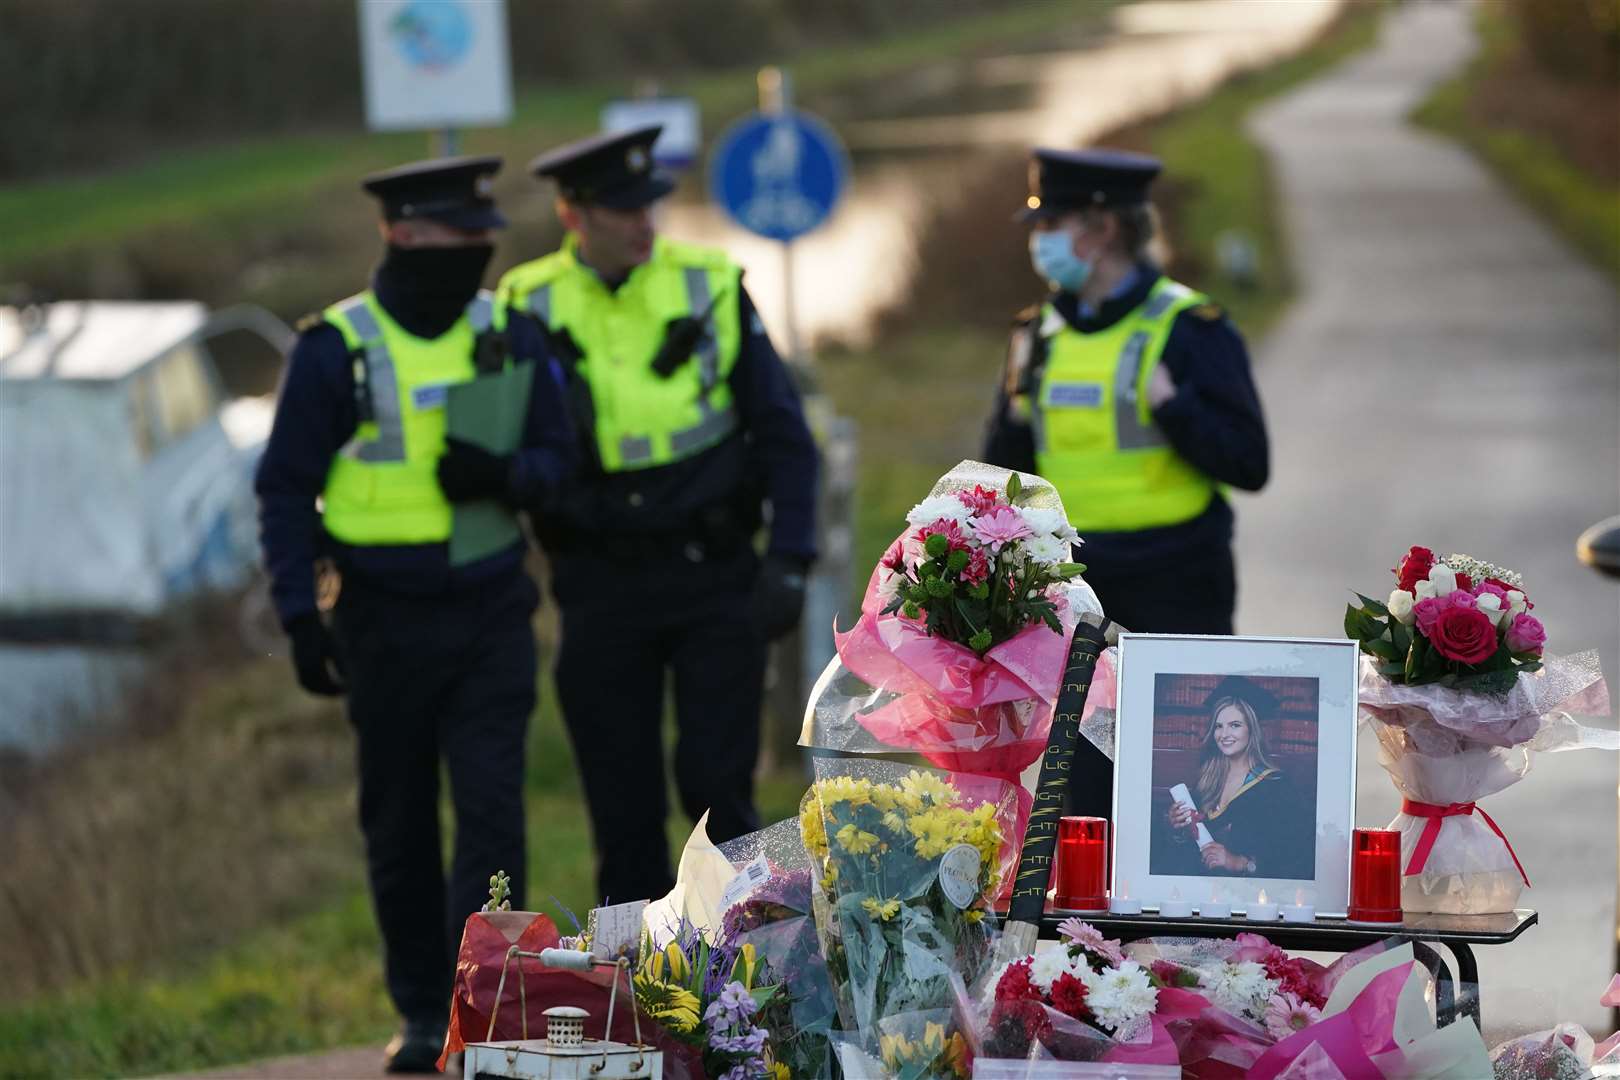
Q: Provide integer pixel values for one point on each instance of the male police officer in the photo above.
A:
(1132, 394)
(431, 638)
(689, 422)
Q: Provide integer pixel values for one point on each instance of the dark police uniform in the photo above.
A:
(431, 643)
(1142, 485)
(690, 425)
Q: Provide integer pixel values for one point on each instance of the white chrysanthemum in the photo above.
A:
(932, 509)
(1241, 988)
(1118, 997)
(1048, 523)
(889, 586)
(1047, 549)
(1049, 964)
(988, 994)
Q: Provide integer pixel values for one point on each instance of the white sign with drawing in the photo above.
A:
(435, 63)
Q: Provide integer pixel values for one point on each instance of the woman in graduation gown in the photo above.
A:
(1261, 825)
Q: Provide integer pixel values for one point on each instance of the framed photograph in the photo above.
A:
(1235, 770)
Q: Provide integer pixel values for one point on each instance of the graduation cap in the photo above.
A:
(457, 191)
(1260, 700)
(614, 169)
(1061, 181)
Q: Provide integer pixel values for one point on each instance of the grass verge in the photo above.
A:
(1581, 205)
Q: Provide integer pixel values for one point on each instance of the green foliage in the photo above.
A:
(1404, 655)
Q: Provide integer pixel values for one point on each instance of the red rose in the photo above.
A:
(1414, 567)
(1464, 582)
(1069, 996)
(1464, 634)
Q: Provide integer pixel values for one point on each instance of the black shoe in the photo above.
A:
(416, 1048)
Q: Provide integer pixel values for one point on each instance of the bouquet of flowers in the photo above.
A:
(903, 863)
(910, 1046)
(707, 997)
(1083, 1001)
(1457, 684)
(959, 650)
(770, 913)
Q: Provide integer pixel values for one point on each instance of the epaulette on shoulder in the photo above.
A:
(1208, 312)
(310, 322)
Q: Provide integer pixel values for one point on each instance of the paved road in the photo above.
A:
(1450, 377)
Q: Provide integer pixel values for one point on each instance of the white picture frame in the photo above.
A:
(1288, 797)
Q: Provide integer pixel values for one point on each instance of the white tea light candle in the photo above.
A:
(1175, 907)
(1121, 902)
(1215, 907)
(1299, 911)
(1262, 910)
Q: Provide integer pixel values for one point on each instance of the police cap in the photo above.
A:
(452, 191)
(1061, 181)
(614, 169)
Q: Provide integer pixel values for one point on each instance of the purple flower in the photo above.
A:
(1526, 634)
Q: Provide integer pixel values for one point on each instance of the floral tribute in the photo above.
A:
(979, 569)
(708, 997)
(1454, 621)
(904, 862)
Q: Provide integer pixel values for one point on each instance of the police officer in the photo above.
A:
(430, 638)
(1132, 394)
(690, 424)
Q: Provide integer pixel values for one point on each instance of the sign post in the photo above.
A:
(779, 173)
(435, 65)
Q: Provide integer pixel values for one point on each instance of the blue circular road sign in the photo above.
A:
(778, 175)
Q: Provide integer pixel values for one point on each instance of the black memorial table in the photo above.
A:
(1458, 933)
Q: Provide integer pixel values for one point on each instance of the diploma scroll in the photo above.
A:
(1180, 793)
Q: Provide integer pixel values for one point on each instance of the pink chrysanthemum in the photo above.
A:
(1088, 937)
(1286, 1014)
(1001, 525)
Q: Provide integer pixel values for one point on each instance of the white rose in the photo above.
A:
(1491, 605)
(1425, 589)
(1400, 605)
(1444, 579)
(932, 509)
(1516, 602)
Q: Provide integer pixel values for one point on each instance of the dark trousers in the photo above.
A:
(449, 678)
(691, 621)
(1195, 595)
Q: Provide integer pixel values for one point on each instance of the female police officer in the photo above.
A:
(1132, 394)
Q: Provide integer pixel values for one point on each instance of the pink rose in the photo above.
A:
(1464, 634)
(1428, 612)
(1002, 525)
(1493, 589)
(1526, 634)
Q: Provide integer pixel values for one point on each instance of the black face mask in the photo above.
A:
(426, 288)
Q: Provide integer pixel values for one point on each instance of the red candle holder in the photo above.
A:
(1082, 864)
(1375, 876)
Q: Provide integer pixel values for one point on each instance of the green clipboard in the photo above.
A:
(488, 411)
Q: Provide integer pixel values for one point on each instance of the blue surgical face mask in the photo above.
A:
(1052, 253)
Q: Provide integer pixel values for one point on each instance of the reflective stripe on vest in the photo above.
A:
(381, 489)
(1095, 438)
(639, 449)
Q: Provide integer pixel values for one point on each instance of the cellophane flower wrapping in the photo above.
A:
(1443, 746)
(895, 686)
(771, 912)
(922, 1045)
(904, 862)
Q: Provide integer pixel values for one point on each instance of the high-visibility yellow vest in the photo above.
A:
(1095, 438)
(642, 418)
(381, 488)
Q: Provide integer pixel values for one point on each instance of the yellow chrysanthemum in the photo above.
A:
(928, 786)
(894, 823)
(779, 1071)
(839, 789)
(881, 909)
(813, 829)
(673, 1006)
(885, 796)
(855, 841)
(932, 833)
(973, 915)
(830, 878)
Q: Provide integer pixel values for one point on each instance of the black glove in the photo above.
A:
(778, 599)
(315, 657)
(468, 471)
